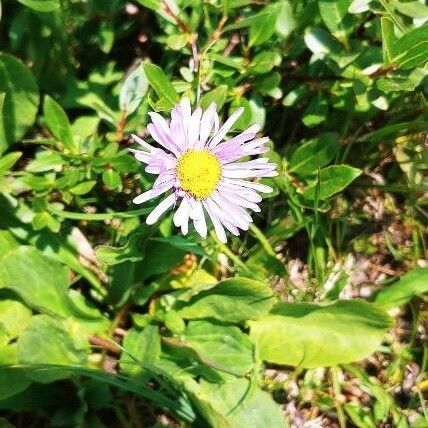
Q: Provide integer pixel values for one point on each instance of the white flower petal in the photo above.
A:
(208, 121)
(160, 209)
(197, 214)
(218, 227)
(225, 128)
(194, 127)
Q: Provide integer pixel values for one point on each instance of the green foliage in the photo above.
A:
(318, 309)
(308, 335)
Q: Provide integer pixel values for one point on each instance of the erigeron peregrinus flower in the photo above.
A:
(200, 171)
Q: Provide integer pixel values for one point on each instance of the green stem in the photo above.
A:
(262, 239)
(337, 392)
(98, 216)
(226, 250)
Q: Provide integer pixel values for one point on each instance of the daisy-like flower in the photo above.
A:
(201, 172)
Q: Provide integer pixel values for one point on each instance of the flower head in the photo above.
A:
(201, 173)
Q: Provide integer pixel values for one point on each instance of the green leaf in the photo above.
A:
(316, 112)
(42, 5)
(221, 347)
(263, 28)
(411, 49)
(151, 4)
(48, 341)
(133, 90)
(141, 348)
(217, 95)
(388, 40)
(314, 154)
(58, 123)
(232, 300)
(285, 21)
(402, 81)
(414, 9)
(319, 41)
(45, 161)
(14, 316)
(240, 403)
(332, 13)
(309, 335)
(132, 251)
(112, 180)
(161, 84)
(83, 188)
(413, 283)
(12, 381)
(264, 62)
(332, 180)
(7, 161)
(39, 280)
(21, 101)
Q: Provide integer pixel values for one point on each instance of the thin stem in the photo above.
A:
(337, 393)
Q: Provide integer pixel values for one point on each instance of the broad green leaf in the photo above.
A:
(411, 49)
(133, 90)
(231, 61)
(217, 95)
(160, 83)
(285, 21)
(388, 40)
(402, 81)
(57, 121)
(359, 6)
(83, 188)
(39, 280)
(314, 154)
(48, 340)
(332, 179)
(414, 9)
(141, 348)
(151, 4)
(311, 335)
(332, 13)
(319, 41)
(14, 316)
(413, 283)
(7, 243)
(12, 381)
(240, 403)
(112, 179)
(263, 28)
(21, 101)
(232, 300)
(45, 161)
(7, 161)
(132, 251)
(316, 112)
(264, 62)
(222, 347)
(42, 5)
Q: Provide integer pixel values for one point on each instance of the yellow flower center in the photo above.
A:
(199, 171)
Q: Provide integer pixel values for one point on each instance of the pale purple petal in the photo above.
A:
(225, 128)
(221, 216)
(218, 227)
(194, 127)
(167, 203)
(198, 217)
(209, 121)
(153, 193)
(181, 216)
(142, 143)
(250, 184)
